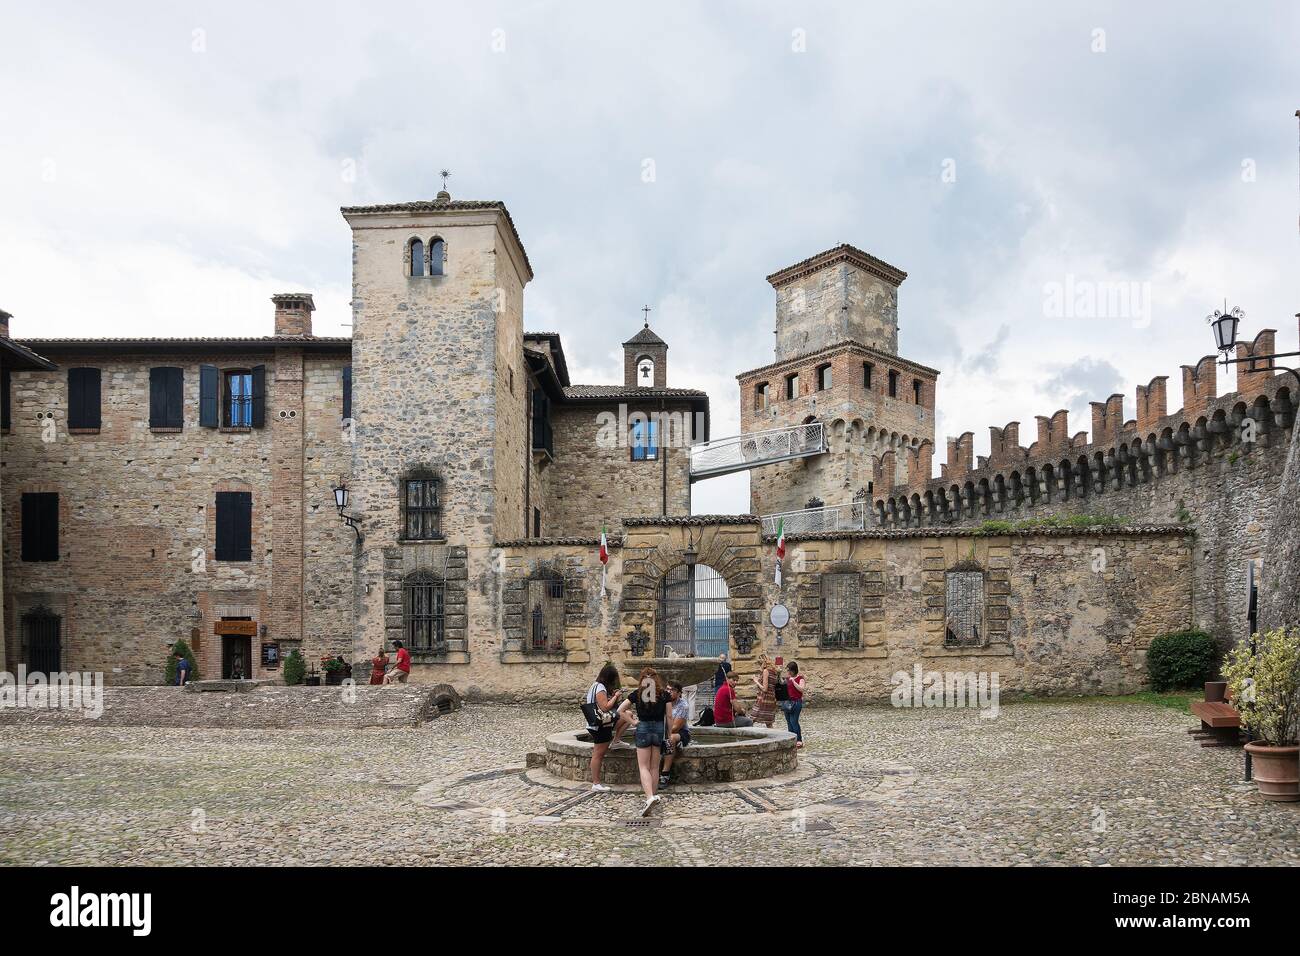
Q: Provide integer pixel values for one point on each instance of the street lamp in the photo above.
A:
(341, 498)
(1225, 325)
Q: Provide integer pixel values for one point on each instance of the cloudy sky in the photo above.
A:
(167, 167)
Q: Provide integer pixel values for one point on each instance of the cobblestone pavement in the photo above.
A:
(1082, 782)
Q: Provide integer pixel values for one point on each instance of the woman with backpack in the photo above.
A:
(764, 711)
(795, 686)
(607, 717)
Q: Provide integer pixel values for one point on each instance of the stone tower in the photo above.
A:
(439, 393)
(837, 363)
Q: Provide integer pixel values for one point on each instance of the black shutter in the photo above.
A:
(157, 398)
(243, 526)
(40, 531)
(5, 407)
(347, 394)
(259, 396)
(234, 526)
(83, 398)
(175, 398)
(208, 391)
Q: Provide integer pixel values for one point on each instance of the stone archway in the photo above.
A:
(653, 547)
(692, 618)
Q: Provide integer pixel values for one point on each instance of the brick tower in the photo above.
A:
(837, 363)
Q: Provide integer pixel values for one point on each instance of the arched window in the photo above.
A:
(436, 251)
(423, 600)
(415, 257)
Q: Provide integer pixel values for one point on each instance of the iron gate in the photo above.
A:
(42, 633)
(693, 619)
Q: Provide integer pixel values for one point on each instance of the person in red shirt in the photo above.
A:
(795, 686)
(402, 670)
(726, 708)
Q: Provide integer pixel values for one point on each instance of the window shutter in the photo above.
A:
(259, 396)
(175, 409)
(5, 408)
(234, 526)
(40, 531)
(83, 398)
(208, 387)
(157, 398)
(347, 391)
(243, 520)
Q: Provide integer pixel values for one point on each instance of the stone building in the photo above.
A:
(160, 488)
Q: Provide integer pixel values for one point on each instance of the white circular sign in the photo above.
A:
(780, 616)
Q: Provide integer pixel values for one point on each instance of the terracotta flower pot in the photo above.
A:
(1276, 771)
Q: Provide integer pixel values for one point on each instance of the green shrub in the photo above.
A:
(295, 668)
(180, 649)
(1182, 659)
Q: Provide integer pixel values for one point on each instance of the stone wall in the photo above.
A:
(835, 296)
(1217, 471)
(588, 485)
(1066, 612)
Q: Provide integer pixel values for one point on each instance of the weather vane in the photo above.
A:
(445, 174)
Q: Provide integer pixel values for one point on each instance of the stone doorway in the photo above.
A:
(693, 619)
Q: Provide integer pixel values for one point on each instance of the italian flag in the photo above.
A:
(604, 558)
(780, 549)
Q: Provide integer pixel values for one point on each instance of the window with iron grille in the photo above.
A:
(964, 614)
(422, 612)
(545, 614)
(237, 411)
(422, 509)
(841, 610)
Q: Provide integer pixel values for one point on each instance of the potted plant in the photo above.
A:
(334, 668)
(1264, 675)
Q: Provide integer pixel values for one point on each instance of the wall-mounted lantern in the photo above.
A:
(341, 498)
(1226, 325)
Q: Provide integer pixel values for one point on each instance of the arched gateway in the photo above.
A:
(693, 618)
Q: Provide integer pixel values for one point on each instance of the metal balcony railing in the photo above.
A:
(741, 452)
(850, 517)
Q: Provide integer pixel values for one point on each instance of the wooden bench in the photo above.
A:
(1220, 723)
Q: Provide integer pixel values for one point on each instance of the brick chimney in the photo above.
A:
(4, 323)
(293, 313)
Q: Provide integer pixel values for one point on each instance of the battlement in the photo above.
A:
(1120, 451)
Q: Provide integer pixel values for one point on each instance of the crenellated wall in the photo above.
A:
(1214, 466)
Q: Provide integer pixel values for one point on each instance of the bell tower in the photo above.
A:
(645, 359)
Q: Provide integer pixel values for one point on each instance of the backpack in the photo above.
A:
(706, 718)
(781, 691)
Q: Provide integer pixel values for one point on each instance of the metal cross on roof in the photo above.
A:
(646, 310)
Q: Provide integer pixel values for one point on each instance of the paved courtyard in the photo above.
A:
(1089, 782)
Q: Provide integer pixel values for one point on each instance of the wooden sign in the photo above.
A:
(235, 628)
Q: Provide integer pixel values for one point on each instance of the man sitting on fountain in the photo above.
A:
(679, 733)
(727, 711)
